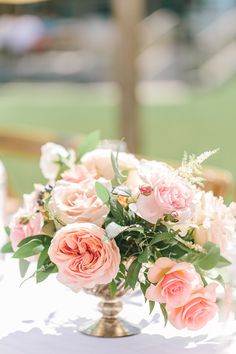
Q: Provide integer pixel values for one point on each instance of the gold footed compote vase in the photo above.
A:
(109, 325)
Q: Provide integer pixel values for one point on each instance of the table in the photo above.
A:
(43, 319)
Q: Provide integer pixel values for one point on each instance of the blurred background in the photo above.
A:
(161, 73)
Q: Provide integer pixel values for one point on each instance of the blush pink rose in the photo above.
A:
(27, 221)
(23, 226)
(198, 311)
(169, 194)
(77, 202)
(77, 174)
(175, 282)
(100, 161)
(82, 257)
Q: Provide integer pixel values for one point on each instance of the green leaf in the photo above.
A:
(223, 262)
(24, 265)
(41, 275)
(44, 239)
(164, 236)
(7, 248)
(7, 230)
(144, 256)
(122, 268)
(88, 144)
(133, 273)
(219, 279)
(164, 313)
(43, 258)
(112, 288)
(212, 257)
(144, 287)
(29, 249)
(102, 192)
(151, 306)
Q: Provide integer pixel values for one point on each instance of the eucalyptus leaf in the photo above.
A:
(29, 249)
(209, 260)
(122, 190)
(102, 192)
(118, 175)
(7, 248)
(24, 265)
(7, 230)
(113, 229)
(88, 144)
(222, 262)
(219, 279)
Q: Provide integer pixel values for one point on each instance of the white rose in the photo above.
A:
(77, 202)
(216, 222)
(50, 154)
(100, 161)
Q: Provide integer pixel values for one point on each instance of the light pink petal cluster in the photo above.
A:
(215, 221)
(77, 174)
(26, 221)
(169, 193)
(82, 257)
(100, 161)
(77, 202)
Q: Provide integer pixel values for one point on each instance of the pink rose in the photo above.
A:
(198, 311)
(23, 225)
(77, 202)
(82, 257)
(27, 221)
(77, 174)
(100, 161)
(168, 194)
(175, 282)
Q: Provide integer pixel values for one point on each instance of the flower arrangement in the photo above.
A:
(106, 217)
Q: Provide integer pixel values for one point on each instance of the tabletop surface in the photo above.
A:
(44, 319)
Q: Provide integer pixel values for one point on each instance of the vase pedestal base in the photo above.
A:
(110, 328)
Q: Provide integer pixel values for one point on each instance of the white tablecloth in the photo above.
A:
(43, 319)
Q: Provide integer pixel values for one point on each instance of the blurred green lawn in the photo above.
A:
(205, 121)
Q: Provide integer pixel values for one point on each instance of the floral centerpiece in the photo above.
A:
(108, 219)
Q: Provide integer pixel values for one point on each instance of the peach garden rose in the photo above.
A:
(83, 259)
(175, 282)
(77, 202)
